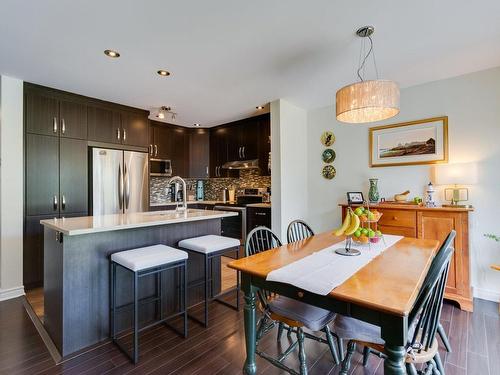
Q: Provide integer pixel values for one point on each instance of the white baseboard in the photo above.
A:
(6, 294)
(487, 294)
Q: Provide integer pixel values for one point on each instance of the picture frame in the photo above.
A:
(409, 143)
(355, 197)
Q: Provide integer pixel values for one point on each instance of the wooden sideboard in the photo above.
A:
(434, 223)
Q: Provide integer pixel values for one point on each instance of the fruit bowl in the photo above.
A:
(364, 239)
(366, 215)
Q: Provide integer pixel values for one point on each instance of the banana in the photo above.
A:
(354, 225)
(347, 221)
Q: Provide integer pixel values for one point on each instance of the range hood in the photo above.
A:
(242, 164)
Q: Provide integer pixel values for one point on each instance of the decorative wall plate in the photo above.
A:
(328, 156)
(327, 138)
(328, 172)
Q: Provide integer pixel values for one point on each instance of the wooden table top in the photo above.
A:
(389, 283)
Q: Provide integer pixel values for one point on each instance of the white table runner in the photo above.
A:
(324, 270)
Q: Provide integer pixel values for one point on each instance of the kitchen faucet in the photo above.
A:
(184, 200)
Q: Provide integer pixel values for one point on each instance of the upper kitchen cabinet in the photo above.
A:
(219, 141)
(135, 129)
(73, 119)
(104, 124)
(49, 112)
(160, 141)
(199, 154)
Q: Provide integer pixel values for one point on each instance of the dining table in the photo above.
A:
(382, 292)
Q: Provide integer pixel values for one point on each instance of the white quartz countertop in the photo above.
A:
(158, 204)
(105, 223)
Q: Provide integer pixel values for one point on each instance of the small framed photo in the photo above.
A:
(355, 197)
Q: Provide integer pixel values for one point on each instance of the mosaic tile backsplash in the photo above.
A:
(249, 178)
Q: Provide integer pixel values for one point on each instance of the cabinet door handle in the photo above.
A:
(243, 152)
(118, 134)
(239, 152)
(124, 134)
(156, 150)
(63, 202)
(54, 125)
(54, 202)
(207, 171)
(260, 213)
(63, 126)
(151, 150)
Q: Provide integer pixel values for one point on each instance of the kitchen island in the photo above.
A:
(76, 265)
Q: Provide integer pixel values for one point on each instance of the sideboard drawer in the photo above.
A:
(398, 231)
(398, 218)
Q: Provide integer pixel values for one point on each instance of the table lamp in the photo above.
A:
(457, 175)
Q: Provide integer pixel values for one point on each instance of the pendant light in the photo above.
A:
(367, 101)
(163, 110)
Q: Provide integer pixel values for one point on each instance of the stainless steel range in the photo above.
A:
(236, 226)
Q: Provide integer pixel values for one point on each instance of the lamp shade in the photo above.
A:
(455, 174)
(367, 101)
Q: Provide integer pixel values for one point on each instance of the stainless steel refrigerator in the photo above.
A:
(119, 181)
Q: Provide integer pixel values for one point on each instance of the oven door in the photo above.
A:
(234, 226)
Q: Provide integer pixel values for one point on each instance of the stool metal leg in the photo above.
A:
(136, 319)
(184, 297)
(113, 301)
(206, 290)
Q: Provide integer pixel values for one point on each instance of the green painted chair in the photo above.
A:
(423, 322)
(290, 314)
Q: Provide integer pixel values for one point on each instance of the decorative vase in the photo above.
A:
(373, 194)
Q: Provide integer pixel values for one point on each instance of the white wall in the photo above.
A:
(288, 165)
(11, 188)
(472, 104)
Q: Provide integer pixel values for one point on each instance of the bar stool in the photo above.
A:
(211, 247)
(146, 261)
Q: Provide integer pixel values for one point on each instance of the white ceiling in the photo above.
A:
(228, 56)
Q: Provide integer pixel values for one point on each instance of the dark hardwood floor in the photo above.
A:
(220, 348)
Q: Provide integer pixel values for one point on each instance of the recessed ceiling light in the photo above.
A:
(163, 73)
(197, 125)
(111, 53)
(259, 107)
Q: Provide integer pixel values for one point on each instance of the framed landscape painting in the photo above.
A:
(410, 143)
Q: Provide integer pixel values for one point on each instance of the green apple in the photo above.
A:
(364, 231)
(359, 211)
(371, 233)
(357, 233)
(378, 233)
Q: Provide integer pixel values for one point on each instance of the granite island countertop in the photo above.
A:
(105, 223)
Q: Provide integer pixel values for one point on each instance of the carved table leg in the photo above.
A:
(250, 366)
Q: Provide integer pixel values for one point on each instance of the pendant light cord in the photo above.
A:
(362, 65)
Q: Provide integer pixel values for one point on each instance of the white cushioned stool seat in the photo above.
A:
(209, 244)
(146, 257)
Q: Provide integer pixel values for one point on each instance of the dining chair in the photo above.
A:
(287, 312)
(298, 230)
(423, 321)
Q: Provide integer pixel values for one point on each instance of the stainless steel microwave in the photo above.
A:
(160, 167)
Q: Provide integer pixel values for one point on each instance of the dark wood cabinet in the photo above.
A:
(135, 127)
(199, 153)
(258, 216)
(161, 141)
(73, 176)
(219, 144)
(41, 114)
(47, 113)
(241, 140)
(42, 175)
(72, 119)
(33, 251)
(104, 124)
(180, 151)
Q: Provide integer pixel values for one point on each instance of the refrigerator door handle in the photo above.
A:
(127, 186)
(120, 187)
